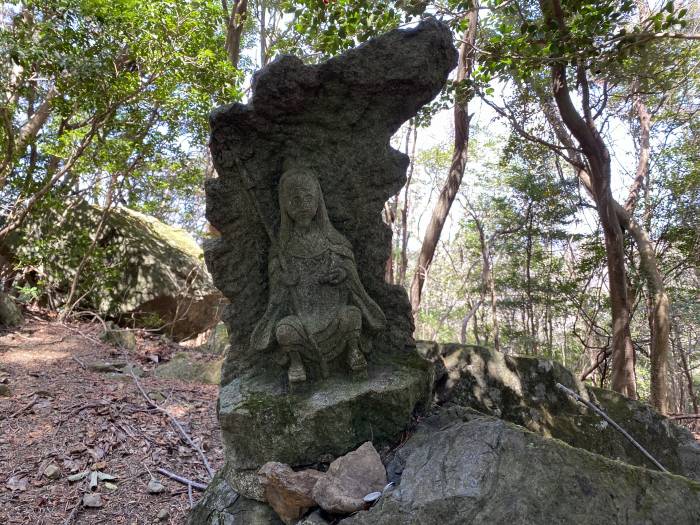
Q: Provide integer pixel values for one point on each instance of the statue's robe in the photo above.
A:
(317, 310)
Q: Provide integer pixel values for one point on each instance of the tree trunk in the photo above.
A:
(234, 30)
(403, 261)
(598, 161)
(454, 177)
(660, 326)
(686, 368)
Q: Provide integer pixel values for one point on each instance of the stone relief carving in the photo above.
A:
(317, 305)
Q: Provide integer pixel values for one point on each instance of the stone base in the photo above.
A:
(261, 421)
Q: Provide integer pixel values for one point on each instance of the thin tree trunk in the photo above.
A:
(598, 160)
(459, 160)
(660, 329)
(686, 368)
(403, 262)
(88, 253)
(235, 23)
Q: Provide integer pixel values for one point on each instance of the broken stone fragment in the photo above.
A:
(93, 501)
(155, 487)
(288, 492)
(349, 479)
(52, 472)
(5, 390)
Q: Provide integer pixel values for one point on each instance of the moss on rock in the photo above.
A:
(522, 390)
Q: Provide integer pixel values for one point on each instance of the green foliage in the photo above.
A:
(129, 85)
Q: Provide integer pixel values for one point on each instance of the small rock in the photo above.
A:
(163, 514)
(106, 366)
(93, 501)
(121, 338)
(349, 479)
(156, 396)
(52, 472)
(155, 487)
(315, 518)
(110, 486)
(288, 492)
(5, 390)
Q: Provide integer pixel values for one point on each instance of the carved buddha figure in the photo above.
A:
(317, 304)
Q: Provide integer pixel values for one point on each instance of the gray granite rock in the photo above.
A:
(221, 505)
(10, 314)
(522, 390)
(465, 467)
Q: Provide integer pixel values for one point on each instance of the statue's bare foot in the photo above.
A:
(357, 362)
(296, 372)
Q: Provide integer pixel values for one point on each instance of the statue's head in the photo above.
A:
(299, 196)
(301, 203)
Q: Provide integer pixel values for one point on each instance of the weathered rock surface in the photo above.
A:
(156, 272)
(522, 390)
(218, 341)
(289, 492)
(260, 423)
(10, 314)
(465, 467)
(220, 505)
(349, 479)
(186, 367)
(337, 119)
(119, 337)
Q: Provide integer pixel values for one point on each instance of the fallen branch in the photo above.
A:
(615, 425)
(26, 407)
(600, 359)
(181, 479)
(185, 436)
(685, 416)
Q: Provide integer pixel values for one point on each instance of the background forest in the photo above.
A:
(551, 204)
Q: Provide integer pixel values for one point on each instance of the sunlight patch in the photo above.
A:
(27, 357)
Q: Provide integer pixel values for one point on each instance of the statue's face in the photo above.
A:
(302, 201)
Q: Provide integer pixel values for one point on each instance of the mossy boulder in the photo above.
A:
(522, 390)
(10, 314)
(141, 271)
(465, 467)
(218, 341)
(186, 367)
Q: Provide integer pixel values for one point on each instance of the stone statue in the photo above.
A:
(317, 305)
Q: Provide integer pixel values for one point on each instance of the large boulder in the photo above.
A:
(464, 467)
(522, 390)
(142, 269)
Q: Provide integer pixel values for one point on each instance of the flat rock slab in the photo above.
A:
(464, 467)
(260, 423)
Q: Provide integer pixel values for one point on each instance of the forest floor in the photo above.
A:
(62, 412)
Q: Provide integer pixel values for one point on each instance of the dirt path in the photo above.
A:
(62, 412)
